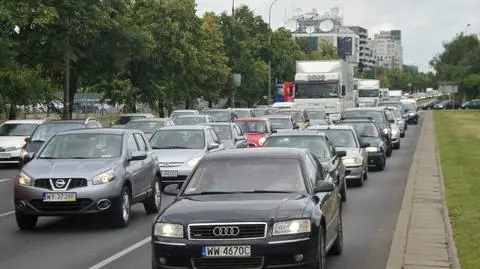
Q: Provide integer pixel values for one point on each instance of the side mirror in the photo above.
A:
(341, 153)
(324, 186)
(365, 145)
(138, 156)
(296, 127)
(27, 139)
(28, 157)
(344, 90)
(213, 146)
(240, 138)
(391, 121)
(171, 189)
(274, 131)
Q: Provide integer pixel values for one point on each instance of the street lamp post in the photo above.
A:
(269, 92)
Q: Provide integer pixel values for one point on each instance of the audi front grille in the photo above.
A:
(230, 263)
(227, 231)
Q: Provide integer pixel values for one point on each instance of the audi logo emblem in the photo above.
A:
(226, 231)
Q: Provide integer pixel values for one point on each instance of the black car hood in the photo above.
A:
(235, 207)
(373, 141)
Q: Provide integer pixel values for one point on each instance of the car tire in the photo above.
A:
(122, 210)
(321, 259)
(25, 222)
(153, 203)
(389, 150)
(381, 166)
(402, 134)
(337, 247)
(397, 146)
(343, 192)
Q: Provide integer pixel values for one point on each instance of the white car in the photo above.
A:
(12, 138)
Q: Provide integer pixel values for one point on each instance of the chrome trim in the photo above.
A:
(59, 189)
(288, 241)
(169, 243)
(227, 223)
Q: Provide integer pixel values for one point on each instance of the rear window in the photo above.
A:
(378, 116)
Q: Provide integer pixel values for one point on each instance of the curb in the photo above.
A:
(399, 241)
(452, 248)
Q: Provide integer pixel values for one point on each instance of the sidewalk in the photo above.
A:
(423, 235)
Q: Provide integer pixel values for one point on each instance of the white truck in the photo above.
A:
(369, 93)
(327, 84)
(384, 93)
(395, 95)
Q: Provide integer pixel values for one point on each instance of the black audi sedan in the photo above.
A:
(251, 208)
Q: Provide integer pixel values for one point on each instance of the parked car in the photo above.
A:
(179, 148)
(13, 134)
(345, 138)
(430, 105)
(321, 146)
(472, 104)
(448, 104)
(251, 208)
(256, 130)
(88, 171)
(231, 136)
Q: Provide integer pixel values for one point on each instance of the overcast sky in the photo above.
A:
(425, 24)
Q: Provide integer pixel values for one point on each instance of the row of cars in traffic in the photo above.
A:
(451, 104)
(255, 188)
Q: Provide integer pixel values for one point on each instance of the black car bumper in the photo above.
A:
(375, 158)
(263, 254)
(412, 118)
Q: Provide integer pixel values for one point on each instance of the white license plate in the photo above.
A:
(60, 197)
(169, 173)
(5, 155)
(226, 251)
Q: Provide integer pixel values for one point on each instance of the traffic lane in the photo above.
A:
(369, 217)
(370, 214)
(7, 174)
(59, 243)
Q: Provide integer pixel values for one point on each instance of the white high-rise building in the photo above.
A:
(388, 49)
(365, 48)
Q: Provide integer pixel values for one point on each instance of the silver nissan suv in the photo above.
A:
(88, 171)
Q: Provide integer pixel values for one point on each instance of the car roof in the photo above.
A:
(96, 131)
(365, 109)
(149, 119)
(185, 127)
(263, 153)
(331, 127)
(311, 132)
(23, 121)
(137, 115)
(251, 119)
(219, 123)
(67, 121)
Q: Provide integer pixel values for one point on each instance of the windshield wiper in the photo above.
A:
(368, 135)
(46, 157)
(38, 140)
(172, 147)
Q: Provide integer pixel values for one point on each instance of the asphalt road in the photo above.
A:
(369, 217)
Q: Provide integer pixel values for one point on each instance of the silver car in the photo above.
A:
(401, 122)
(179, 148)
(88, 171)
(13, 135)
(177, 113)
(345, 138)
(192, 119)
(230, 135)
(395, 129)
(148, 125)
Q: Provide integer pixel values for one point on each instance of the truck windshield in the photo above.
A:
(316, 90)
(368, 93)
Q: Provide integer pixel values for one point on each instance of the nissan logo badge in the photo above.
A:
(60, 183)
(226, 231)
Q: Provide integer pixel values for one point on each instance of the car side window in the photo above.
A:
(131, 144)
(331, 149)
(141, 142)
(319, 172)
(239, 131)
(214, 136)
(310, 166)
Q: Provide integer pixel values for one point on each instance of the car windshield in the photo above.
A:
(253, 126)
(378, 116)
(181, 113)
(247, 175)
(408, 106)
(145, 126)
(316, 115)
(125, 119)
(243, 113)
(396, 113)
(316, 90)
(316, 144)
(47, 130)
(178, 139)
(390, 116)
(224, 132)
(368, 93)
(218, 115)
(296, 115)
(341, 138)
(279, 123)
(83, 146)
(17, 129)
(189, 120)
(365, 129)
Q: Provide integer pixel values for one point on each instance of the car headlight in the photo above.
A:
(168, 230)
(291, 227)
(385, 131)
(352, 160)
(104, 177)
(394, 131)
(193, 161)
(373, 149)
(411, 114)
(262, 140)
(12, 148)
(24, 179)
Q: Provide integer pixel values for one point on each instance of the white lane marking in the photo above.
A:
(7, 213)
(5, 180)
(120, 254)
